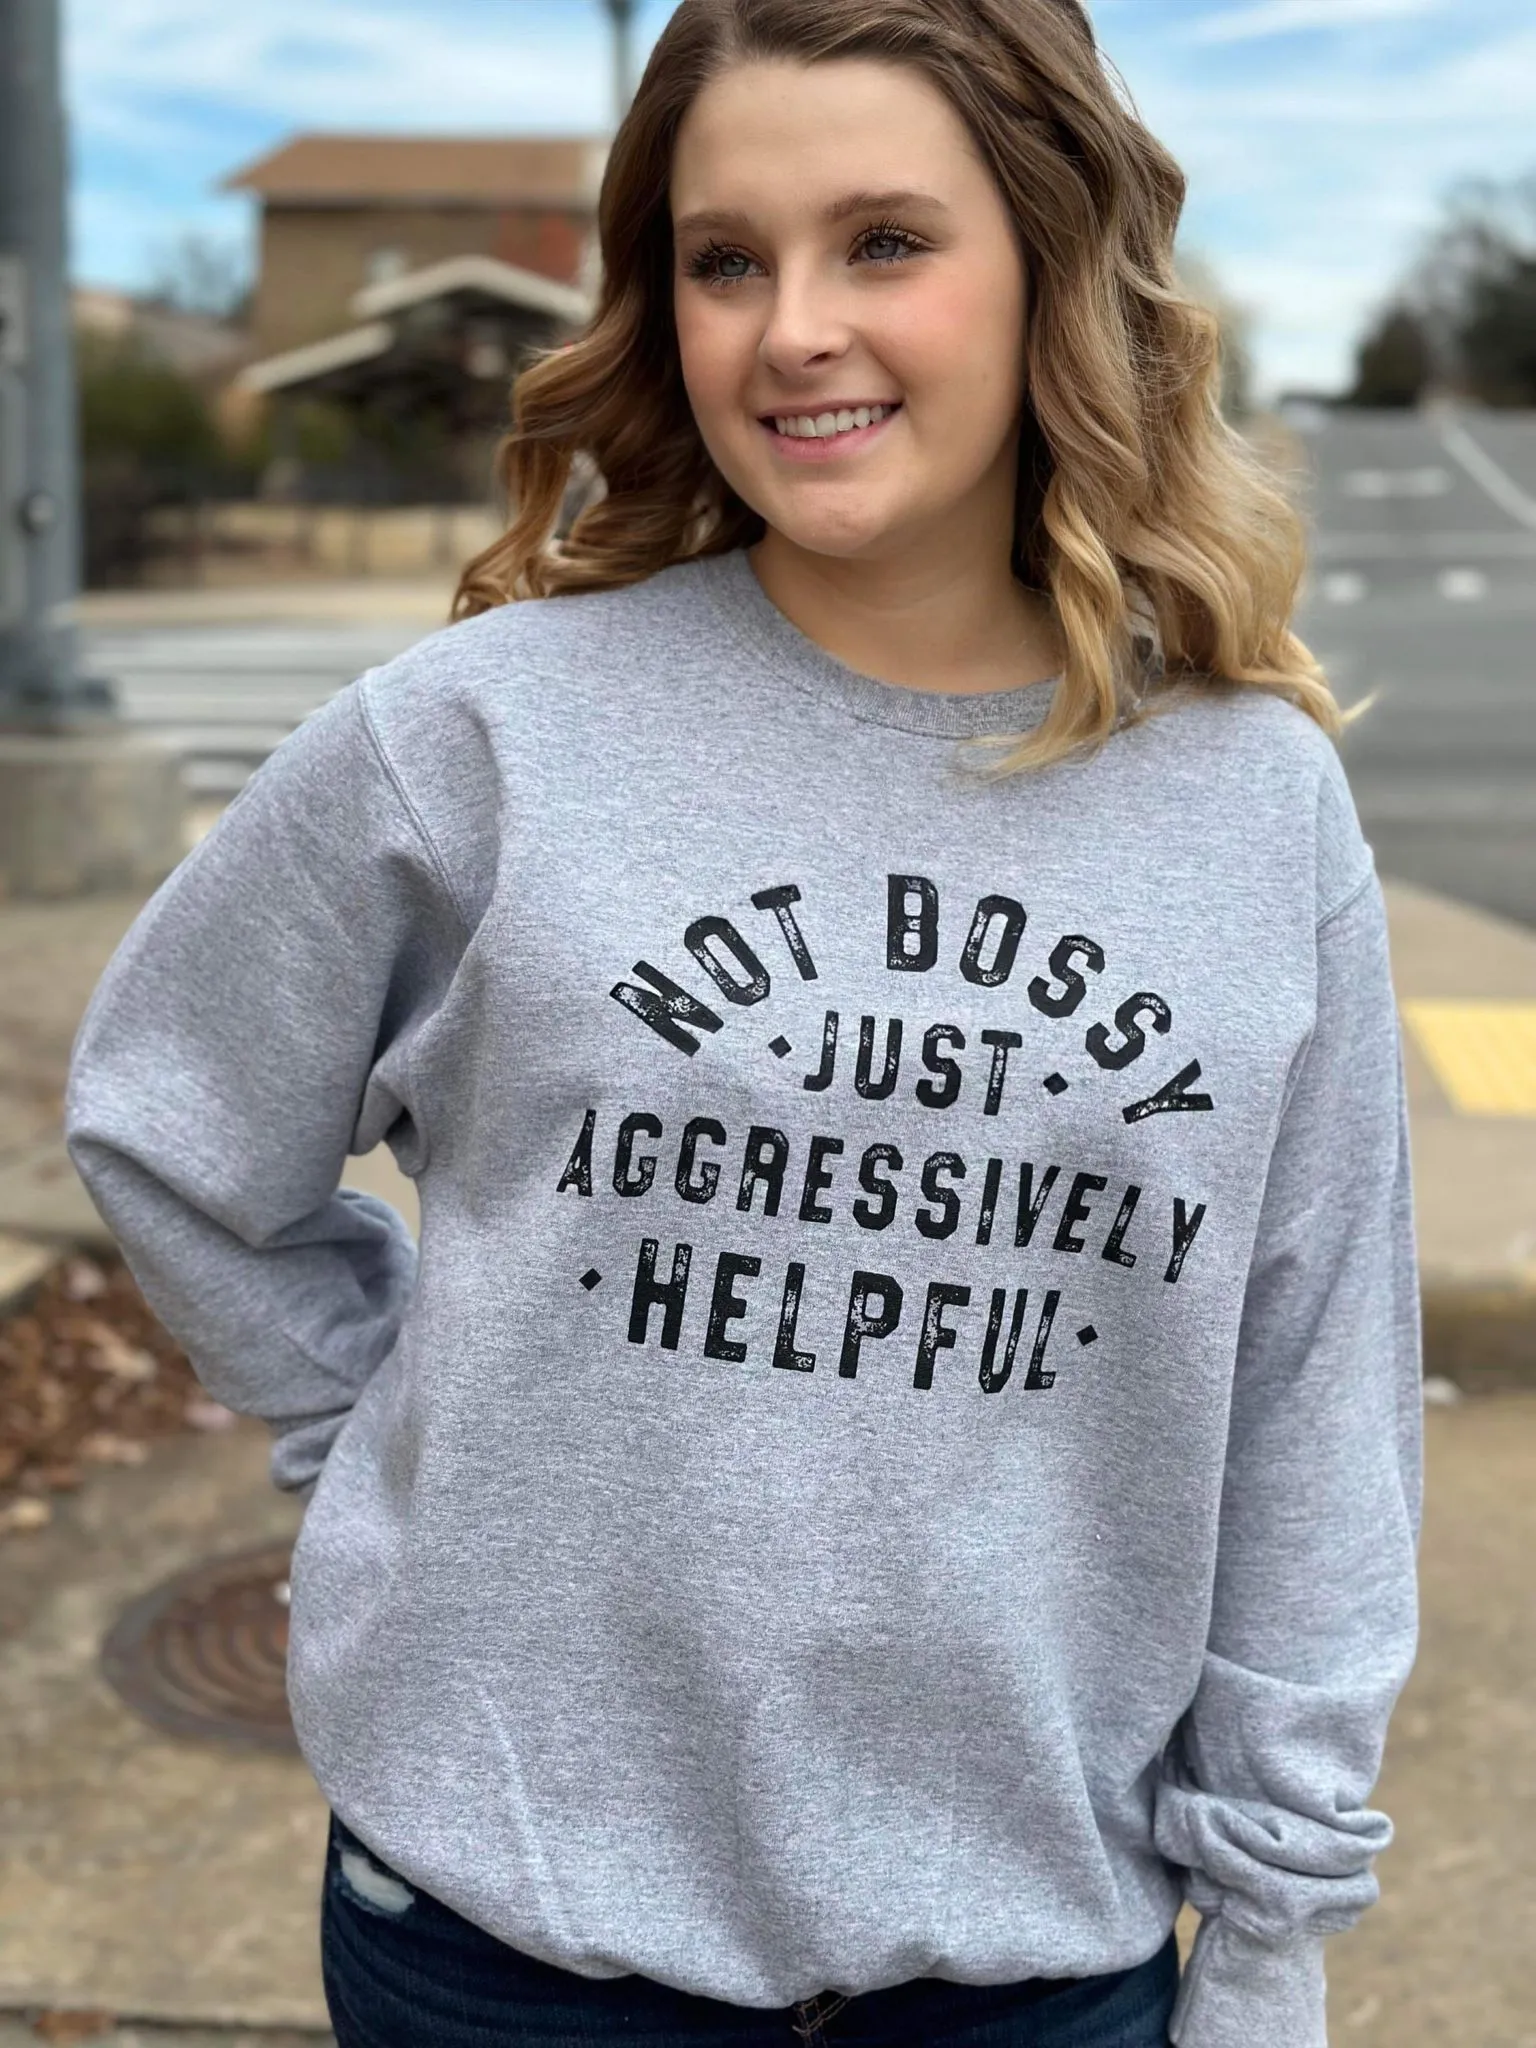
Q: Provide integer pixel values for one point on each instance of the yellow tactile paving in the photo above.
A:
(1483, 1054)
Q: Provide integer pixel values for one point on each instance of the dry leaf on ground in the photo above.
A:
(88, 1377)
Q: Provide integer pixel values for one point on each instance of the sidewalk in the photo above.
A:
(346, 601)
(1466, 987)
(176, 1882)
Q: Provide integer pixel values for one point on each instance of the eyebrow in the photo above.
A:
(840, 209)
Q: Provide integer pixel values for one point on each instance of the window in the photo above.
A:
(381, 265)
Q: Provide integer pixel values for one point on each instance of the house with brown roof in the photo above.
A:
(341, 214)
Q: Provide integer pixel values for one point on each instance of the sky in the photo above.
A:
(1319, 136)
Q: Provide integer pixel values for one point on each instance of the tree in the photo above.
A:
(197, 274)
(1473, 290)
(1395, 362)
(1498, 337)
(147, 439)
(133, 406)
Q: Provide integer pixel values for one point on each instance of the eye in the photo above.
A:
(888, 244)
(717, 265)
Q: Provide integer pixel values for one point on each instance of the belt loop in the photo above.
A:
(805, 2019)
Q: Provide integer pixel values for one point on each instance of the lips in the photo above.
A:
(828, 444)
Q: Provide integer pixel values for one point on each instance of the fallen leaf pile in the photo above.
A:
(71, 2026)
(87, 1377)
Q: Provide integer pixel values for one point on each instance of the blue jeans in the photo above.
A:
(402, 1970)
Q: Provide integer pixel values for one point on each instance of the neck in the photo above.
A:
(937, 615)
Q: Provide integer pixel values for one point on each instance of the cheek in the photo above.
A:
(710, 349)
(961, 340)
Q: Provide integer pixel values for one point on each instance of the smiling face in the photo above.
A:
(850, 303)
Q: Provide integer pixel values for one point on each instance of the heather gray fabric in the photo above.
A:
(901, 1451)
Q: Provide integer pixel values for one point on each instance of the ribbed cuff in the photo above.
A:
(1238, 1992)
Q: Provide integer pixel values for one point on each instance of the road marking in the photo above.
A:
(1483, 1054)
(1344, 587)
(1463, 586)
(1396, 483)
(1482, 468)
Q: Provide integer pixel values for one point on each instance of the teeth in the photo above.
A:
(804, 427)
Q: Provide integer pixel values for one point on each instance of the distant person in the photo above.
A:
(897, 1463)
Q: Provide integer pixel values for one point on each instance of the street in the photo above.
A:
(1423, 586)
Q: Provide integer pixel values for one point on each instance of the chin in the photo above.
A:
(844, 538)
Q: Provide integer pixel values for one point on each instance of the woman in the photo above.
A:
(898, 1460)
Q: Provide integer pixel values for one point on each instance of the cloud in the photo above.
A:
(1293, 17)
(1317, 168)
(352, 64)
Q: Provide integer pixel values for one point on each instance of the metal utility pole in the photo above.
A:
(85, 804)
(39, 469)
(622, 15)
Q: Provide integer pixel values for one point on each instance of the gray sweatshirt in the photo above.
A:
(899, 1452)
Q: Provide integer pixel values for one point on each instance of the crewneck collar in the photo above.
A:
(730, 585)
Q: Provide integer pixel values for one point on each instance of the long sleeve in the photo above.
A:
(1314, 1620)
(254, 1027)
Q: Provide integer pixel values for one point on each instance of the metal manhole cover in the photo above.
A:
(207, 1652)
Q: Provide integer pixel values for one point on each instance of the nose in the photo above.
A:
(805, 324)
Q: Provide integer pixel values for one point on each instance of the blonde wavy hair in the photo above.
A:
(1141, 513)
